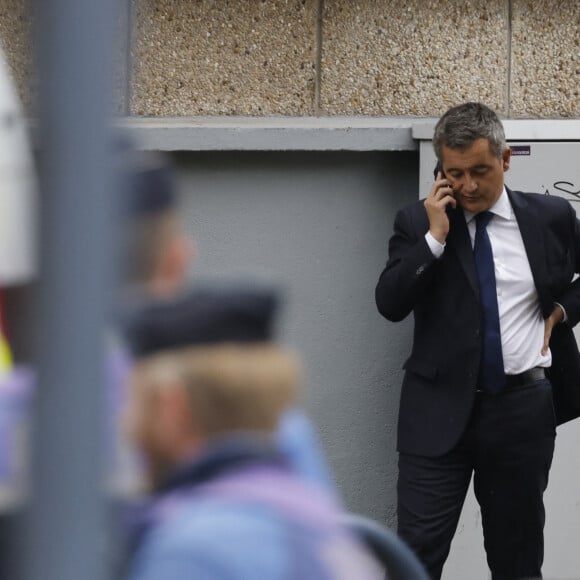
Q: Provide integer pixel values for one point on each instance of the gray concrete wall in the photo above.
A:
(318, 223)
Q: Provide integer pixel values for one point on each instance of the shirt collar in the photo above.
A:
(501, 208)
(225, 454)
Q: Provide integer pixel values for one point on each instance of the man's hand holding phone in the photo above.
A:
(440, 196)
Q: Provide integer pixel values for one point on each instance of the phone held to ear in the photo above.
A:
(438, 168)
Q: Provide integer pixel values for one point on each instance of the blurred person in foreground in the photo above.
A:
(157, 260)
(18, 269)
(207, 395)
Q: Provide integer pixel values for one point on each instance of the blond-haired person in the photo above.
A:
(207, 395)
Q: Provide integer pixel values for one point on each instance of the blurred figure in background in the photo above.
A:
(157, 259)
(153, 263)
(18, 270)
(207, 396)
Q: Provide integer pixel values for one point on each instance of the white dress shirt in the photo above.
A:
(520, 318)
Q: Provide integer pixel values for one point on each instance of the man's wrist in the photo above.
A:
(437, 248)
(564, 315)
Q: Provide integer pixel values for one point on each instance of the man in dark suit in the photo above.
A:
(488, 274)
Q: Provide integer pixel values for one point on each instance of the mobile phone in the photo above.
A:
(438, 168)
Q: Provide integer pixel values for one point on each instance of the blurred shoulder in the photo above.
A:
(223, 540)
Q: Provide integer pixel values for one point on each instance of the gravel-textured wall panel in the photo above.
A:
(15, 36)
(224, 57)
(545, 79)
(377, 57)
(418, 57)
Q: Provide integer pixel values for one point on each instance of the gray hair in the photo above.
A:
(460, 126)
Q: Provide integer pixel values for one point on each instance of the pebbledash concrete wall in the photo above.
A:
(337, 57)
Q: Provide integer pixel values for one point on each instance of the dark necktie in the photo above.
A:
(491, 372)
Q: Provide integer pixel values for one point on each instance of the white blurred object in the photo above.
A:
(17, 188)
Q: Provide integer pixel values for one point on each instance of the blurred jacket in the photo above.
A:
(239, 513)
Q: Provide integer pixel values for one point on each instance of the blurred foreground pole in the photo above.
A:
(66, 533)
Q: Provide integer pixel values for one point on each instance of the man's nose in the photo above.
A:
(469, 184)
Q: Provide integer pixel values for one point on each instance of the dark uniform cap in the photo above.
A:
(150, 186)
(146, 178)
(208, 315)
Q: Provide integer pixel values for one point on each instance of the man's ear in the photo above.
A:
(178, 259)
(177, 426)
(506, 158)
(170, 400)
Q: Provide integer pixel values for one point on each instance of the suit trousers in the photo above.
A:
(508, 447)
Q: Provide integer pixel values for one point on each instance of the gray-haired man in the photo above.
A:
(487, 273)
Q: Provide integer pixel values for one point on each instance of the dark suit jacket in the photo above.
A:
(439, 385)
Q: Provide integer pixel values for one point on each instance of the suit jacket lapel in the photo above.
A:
(459, 239)
(533, 238)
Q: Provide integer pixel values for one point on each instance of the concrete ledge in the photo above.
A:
(272, 133)
(312, 133)
(518, 130)
(315, 133)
